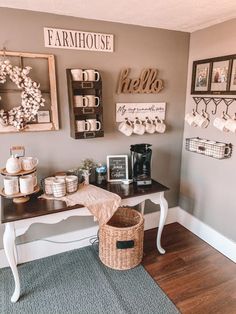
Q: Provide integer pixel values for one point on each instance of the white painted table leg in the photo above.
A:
(142, 207)
(163, 215)
(9, 247)
(15, 250)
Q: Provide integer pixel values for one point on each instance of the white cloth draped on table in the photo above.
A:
(101, 203)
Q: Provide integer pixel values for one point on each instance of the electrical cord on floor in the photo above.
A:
(65, 242)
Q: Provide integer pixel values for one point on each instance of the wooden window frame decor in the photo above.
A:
(109, 177)
(214, 76)
(53, 125)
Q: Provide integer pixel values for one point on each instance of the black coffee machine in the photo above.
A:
(141, 163)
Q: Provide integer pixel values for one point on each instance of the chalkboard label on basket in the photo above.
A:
(117, 168)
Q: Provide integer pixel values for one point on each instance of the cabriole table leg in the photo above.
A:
(163, 215)
(9, 247)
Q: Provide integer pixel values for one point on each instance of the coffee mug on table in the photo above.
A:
(138, 127)
(11, 185)
(201, 120)
(94, 125)
(48, 182)
(29, 163)
(160, 126)
(230, 125)
(27, 184)
(80, 101)
(219, 123)
(125, 127)
(92, 101)
(78, 74)
(59, 188)
(82, 126)
(149, 126)
(91, 75)
(71, 183)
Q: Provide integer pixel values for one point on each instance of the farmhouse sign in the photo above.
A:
(69, 39)
(140, 110)
(147, 83)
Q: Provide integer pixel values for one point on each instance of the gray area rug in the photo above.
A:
(77, 282)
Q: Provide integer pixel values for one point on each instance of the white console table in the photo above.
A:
(17, 218)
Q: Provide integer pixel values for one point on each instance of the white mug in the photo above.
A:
(160, 126)
(149, 126)
(94, 125)
(138, 127)
(92, 101)
(11, 185)
(48, 182)
(230, 125)
(219, 123)
(82, 125)
(80, 101)
(77, 74)
(59, 188)
(27, 184)
(201, 120)
(125, 127)
(189, 118)
(29, 163)
(91, 75)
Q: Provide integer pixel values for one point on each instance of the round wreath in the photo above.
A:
(31, 96)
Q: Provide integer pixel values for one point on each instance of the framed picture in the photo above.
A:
(233, 77)
(219, 75)
(214, 76)
(201, 73)
(117, 168)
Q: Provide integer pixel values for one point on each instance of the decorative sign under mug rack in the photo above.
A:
(131, 111)
(209, 148)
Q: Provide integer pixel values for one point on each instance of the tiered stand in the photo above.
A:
(19, 197)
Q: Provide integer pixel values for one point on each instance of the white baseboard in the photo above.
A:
(77, 239)
(207, 233)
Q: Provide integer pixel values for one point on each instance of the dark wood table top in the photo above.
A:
(38, 207)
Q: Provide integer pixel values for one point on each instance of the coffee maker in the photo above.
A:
(141, 163)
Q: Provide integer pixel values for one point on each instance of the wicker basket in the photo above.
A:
(121, 239)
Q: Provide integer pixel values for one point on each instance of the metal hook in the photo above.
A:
(228, 102)
(216, 101)
(197, 100)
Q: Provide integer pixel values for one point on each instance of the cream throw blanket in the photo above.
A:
(101, 203)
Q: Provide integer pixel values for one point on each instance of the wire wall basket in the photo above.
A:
(218, 150)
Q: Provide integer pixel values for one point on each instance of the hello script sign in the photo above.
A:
(147, 83)
(69, 39)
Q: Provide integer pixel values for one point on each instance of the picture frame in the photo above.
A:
(117, 168)
(201, 75)
(215, 76)
(233, 76)
(220, 75)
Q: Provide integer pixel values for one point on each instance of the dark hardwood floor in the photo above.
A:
(196, 277)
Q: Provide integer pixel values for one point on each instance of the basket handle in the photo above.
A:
(128, 244)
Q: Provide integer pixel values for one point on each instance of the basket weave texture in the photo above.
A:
(125, 225)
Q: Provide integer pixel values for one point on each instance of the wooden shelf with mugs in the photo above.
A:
(85, 103)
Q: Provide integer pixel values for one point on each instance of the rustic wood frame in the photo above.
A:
(211, 61)
(54, 124)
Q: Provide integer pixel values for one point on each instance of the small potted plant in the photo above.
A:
(85, 168)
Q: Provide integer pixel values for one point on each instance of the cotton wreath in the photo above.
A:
(31, 96)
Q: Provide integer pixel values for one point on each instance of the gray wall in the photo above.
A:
(135, 47)
(207, 184)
